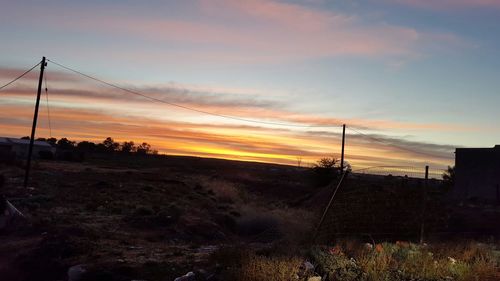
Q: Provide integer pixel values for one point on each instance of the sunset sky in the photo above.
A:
(423, 76)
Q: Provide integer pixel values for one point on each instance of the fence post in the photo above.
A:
(424, 199)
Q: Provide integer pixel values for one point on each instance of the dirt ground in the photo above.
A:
(135, 218)
(130, 217)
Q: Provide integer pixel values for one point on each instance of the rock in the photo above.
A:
(314, 278)
(452, 260)
(76, 272)
(190, 276)
(308, 267)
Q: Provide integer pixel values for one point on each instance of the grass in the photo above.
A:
(225, 191)
(406, 261)
(246, 265)
(355, 261)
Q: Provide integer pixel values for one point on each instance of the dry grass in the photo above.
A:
(269, 268)
(225, 191)
(244, 265)
(406, 261)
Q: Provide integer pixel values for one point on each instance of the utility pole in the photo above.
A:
(33, 128)
(424, 202)
(342, 155)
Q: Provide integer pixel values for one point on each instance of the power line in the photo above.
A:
(19, 77)
(190, 108)
(233, 117)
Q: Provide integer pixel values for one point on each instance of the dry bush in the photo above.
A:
(290, 226)
(407, 261)
(297, 225)
(226, 191)
(245, 265)
(269, 268)
(255, 221)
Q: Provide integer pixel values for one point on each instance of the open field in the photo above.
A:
(155, 218)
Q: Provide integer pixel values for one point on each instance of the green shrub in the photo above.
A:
(336, 265)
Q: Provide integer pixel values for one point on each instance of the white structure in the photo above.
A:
(19, 147)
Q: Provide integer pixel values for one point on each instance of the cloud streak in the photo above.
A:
(259, 31)
(225, 141)
(450, 4)
(65, 93)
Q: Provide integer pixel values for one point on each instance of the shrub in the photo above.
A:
(255, 224)
(269, 268)
(225, 191)
(325, 170)
(244, 265)
(336, 265)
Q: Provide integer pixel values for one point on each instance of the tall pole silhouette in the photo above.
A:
(33, 128)
(342, 155)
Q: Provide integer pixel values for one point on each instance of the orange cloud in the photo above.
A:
(223, 104)
(223, 141)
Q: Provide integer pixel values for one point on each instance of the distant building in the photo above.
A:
(477, 174)
(18, 148)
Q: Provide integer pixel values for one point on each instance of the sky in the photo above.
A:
(412, 80)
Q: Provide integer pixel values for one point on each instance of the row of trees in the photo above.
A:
(108, 145)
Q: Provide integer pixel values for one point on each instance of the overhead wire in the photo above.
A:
(48, 107)
(19, 77)
(187, 107)
(234, 117)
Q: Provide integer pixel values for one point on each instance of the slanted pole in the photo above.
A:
(33, 128)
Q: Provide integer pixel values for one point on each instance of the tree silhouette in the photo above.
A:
(64, 143)
(110, 145)
(326, 169)
(128, 146)
(449, 177)
(144, 148)
(86, 146)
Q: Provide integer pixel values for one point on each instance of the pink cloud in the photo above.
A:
(450, 4)
(259, 31)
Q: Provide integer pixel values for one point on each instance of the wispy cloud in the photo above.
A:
(227, 141)
(9, 73)
(65, 93)
(260, 31)
(239, 106)
(450, 4)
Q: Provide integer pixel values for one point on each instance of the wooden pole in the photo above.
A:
(424, 199)
(33, 128)
(342, 155)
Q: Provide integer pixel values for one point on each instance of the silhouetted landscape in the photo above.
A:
(122, 214)
(250, 140)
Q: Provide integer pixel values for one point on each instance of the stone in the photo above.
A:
(308, 267)
(76, 272)
(190, 276)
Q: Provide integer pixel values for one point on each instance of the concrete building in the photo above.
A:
(18, 148)
(477, 174)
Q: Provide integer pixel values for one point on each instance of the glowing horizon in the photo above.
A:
(417, 75)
